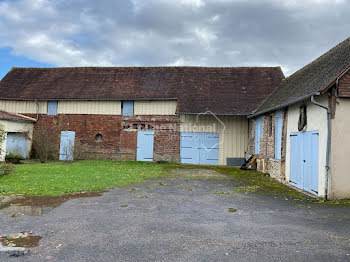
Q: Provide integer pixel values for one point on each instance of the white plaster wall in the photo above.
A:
(340, 150)
(316, 121)
(15, 126)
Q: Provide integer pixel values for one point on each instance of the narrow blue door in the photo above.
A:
(258, 132)
(278, 134)
(67, 145)
(128, 108)
(209, 149)
(296, 167)
(16, 143)
(189, 148)
(310, 162)
(145, 141)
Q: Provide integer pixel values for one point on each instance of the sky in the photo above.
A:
(55, 33)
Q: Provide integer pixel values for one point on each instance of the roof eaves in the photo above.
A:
(284, 105)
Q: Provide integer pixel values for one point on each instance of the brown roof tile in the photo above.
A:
(15, 117)
(222, 90)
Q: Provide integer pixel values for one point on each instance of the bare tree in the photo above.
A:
(45, 142)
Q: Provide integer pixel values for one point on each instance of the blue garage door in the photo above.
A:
(199, 148)
(16, 143)
(67, 145)
(145, 141)
(304, 161)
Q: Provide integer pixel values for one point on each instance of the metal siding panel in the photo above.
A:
(145, 141)
(16, 143)
(67, 145)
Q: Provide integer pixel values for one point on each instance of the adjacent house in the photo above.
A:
(200, 115)
(300, 131)
(18, 134)
(194, 115)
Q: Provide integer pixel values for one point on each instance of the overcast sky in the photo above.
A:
(289, 33)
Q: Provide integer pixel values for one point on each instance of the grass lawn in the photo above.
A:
(57, 178)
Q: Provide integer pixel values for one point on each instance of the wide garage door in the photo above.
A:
(199, 148)
(304, 161)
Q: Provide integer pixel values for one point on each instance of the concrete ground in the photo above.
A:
(183, 219)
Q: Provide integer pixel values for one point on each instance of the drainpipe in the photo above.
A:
(37, 110)
(337, 81)
(327, 189)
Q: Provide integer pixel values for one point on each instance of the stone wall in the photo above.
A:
(266, 162)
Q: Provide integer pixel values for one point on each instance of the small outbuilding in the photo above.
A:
(18, 134)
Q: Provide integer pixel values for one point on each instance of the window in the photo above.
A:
(134, 126)
(98, 138)
(127, 108)
(302, 117)
(52, 107)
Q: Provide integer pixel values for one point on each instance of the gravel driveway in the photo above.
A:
(184, 219)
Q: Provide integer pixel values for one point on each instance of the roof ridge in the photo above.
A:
(128, 67)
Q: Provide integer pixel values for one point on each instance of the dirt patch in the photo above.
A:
(199, 173)
(24, 239)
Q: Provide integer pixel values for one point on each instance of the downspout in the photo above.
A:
(37, 110)
(327, 189)
(337, 81)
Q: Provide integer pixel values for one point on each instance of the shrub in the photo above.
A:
(45, 142)
(5, 169)
(9, 156)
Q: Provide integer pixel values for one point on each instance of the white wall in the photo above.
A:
(340, 150)
(316, 121)
(16, 126)
(166, 107)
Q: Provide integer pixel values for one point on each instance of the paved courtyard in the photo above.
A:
(188, 218)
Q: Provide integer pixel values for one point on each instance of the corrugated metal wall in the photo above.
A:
(155, 107)
(233, 132)
(89, 107)
(28, 107)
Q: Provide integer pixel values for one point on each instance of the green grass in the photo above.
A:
(57, 178)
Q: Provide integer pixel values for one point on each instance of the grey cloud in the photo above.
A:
(183, 32)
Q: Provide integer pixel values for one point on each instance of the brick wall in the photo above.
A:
(266, 161)
(119, 134)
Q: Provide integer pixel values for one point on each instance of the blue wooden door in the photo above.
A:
(278, 134)
(16, 143)
(208, 149)
(258, 133)
(199, 148)
(145, 140)
(128, 108)
(189, 148)
(67, 145)
(304, 161)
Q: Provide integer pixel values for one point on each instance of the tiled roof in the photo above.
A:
(315, 77)
(222, 90)
(15, 117)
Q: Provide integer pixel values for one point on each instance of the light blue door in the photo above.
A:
(16, 143)
(304, 161)
(199, 148)
(189, 148)
(258, 133)
(145, 140)
(278, 134)
(67, 145)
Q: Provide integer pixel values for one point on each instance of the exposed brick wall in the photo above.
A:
(119, 138)
(266, 162)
